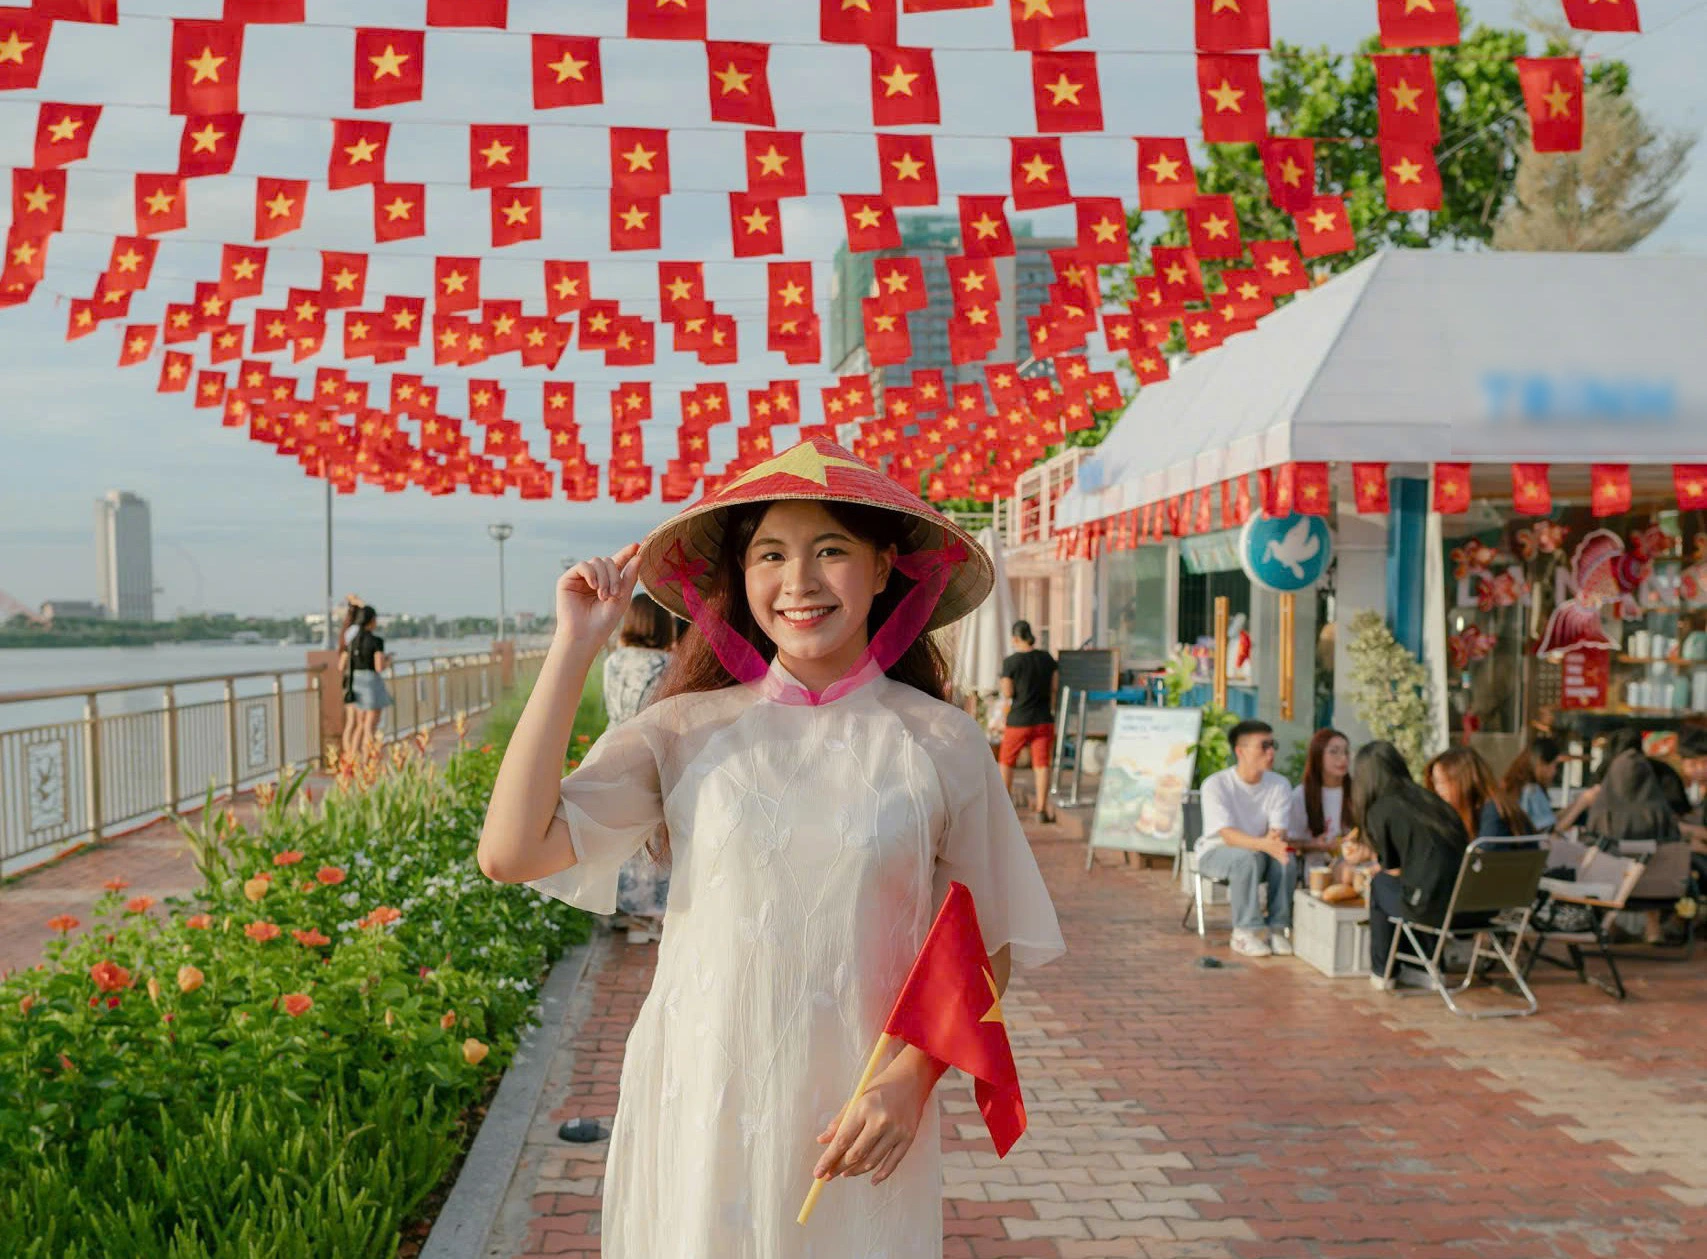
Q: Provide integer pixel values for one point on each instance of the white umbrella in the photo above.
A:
(982, 643)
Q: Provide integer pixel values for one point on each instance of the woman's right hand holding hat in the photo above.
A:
(593, 595)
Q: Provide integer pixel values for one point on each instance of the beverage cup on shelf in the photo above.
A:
(1319, 877)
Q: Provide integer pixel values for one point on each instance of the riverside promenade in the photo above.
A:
(1258, 1111)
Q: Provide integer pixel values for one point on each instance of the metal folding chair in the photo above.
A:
(1497, 876)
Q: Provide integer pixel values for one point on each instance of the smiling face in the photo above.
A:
(1336, 762)
(810, 583)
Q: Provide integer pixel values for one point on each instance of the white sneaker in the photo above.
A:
(1280, 943)
(1250, 943)
(1381, 983)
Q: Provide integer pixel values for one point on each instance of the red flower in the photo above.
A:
(112, 1003)
(261, 931)
(116, 885)
(64, 924)
(331, 876)
(139, 904)
(109, 976)
(199, 922)
(287, 858)
(310, 939)
(297, 1004)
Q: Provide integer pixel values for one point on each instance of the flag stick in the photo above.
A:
(864, 1080)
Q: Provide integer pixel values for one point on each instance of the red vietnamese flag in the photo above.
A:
(1289, 165)
(950, 1009)
(1417, 23)
(137, 344)
(870, 223)
(210, 389)
(1040, 25)
(242, 271)
(740, 83)
(1602, 15)
(1150, 366)
(1369, 487)
(1177, 273)
(1201, 332)
(23, 49)
(493, 13)
(271, 333)
(1310, 488)
(206, 60)
(456, 284)
(399, 211)
(1232, 25)
(1531, 495)
(666, 19)
(279, 206)
(1689, 480)
(63, 133)
(1451, 488)
(907, 164)
(1102, 230)
(566, 71)
(640, 161)
(903, 88)
(358, 152)
(516, 214)
(870, 22)
(343, 279)
(1065, 91)
(131, 262)
(566, 287)
(1407, 101)
(1553, 94)
(38, 201)
(1609, 489)
(175, 372)
(159, 204)
(984, 230)
(681, 290)
(1166, 178)
(776, 166)
(1413, 179)
(25, 261)
(390, 67)
(886, 335)
(900, 283)
(1039, 173)
(1229, 87)
(755, 225)
(1213, 227)
(1324, 228)
(635, 222)
(1279, 267)
(209, 144)
(497, 155)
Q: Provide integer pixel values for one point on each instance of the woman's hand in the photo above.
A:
(593, 595)
(874, 1134)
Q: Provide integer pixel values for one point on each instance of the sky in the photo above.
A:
(238, 528)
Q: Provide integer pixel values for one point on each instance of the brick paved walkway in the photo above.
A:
(1256, 1112)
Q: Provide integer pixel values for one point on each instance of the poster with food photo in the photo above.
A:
(1152, 753)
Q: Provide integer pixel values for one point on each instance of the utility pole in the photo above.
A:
(331, 602)
(500, 533)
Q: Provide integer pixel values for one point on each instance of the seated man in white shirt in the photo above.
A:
(1244, 840)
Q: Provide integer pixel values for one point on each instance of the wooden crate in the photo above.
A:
(1332, 938)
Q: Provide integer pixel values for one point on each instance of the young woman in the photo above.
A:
(1420, 840)
(352, 715)
(819, 796)
(1527, 778)
(367, 665)
(631, 676)
(1318, 803)
(1465, 781)
(1632, 804)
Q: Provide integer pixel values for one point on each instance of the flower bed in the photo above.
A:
(284, 1065)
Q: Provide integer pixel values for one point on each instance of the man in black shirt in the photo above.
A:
(1031, 682)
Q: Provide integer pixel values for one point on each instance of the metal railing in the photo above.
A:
(76, 779)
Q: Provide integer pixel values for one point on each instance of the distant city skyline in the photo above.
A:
(124, 556)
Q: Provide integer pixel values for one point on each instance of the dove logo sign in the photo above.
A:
(1285, 553)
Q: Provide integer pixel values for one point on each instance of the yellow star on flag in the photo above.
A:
(398, 209)
(389, 63)
(535, 337)
(497, 153)
(1278, 266)
(1064, 91)
(455, 282)
(771, 162)
(160, 202)
(1037, 170)
(24, 254)
(1165, 168)
(359, 330)
(64, 129)
(567, 68)
(1200, 329)
(639, 157)
(1215, 227)
(867, 217)
(361, 151)
(12, 48)
(1558, 101)
(1411, 6)
(907, 166)
(791, 294)
(1249, 291)
(757, 222)
(863, 6)
(898, 82)
(502, 325)
(634, 219)
(1407, 171)
(733, 80)
(985, 226)
(973, 281)
(681, 288)
(994, 1013)
(1175, 274)
(1322, 220)
(1405, 97)
(895, 282)
(38, 200)
(280, 206)
(345, 281)
(206, 66)
(305, 310)
(516, 213)
(207, 139)
(213, 304)
(1227, 98)
(138, 345)
(1290, 172)
(129, 260)
(244, 269)
(884, 323)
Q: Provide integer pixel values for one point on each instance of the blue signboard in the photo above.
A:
(1285, 553)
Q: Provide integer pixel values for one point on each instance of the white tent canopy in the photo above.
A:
(1430, 356)
(982, 643)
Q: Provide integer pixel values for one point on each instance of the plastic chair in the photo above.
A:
(1496, 876)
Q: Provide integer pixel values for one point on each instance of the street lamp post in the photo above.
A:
(500, 532)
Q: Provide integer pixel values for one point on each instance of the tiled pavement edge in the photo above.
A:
(1258, 1111)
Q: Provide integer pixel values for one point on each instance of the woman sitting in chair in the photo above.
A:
(1632, 805)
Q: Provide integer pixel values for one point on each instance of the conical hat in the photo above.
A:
(814, 470)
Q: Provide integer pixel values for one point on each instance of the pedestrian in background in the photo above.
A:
(1528, 777)
(1031, 681)
(367, 662)
(352, 715)
(632, 673)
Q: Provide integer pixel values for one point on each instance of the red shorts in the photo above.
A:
(1042, 741)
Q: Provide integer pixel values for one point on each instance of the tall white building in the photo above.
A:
(124, 556)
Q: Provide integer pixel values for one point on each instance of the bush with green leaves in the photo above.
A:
(285, 1064)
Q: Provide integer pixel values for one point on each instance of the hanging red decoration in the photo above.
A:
(903, 88)
(1531, 495)
(566, 71)
(390, 67)
(1229, 87)
(1065, 91)
(1166, 178)
(1417, 23)
(776, 165)
(1553, 94)
(1232, 25)
(740, 83)
(1451, 488)
(1609, 489)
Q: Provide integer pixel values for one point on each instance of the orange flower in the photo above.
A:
(380, 917)
(26, 1002)
(297, 1004)
(189, 978)
(310, 939)
(139, 904)
(261, 931)
(109, 976)
(449, 1020)
(153, 989)
(289, 858)
(331, 876)
(473, 1052)
(256, 887)
(116, 885)
(64, 924)
(199, 922)
(307, 885)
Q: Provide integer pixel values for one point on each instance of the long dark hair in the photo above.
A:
(1631, 803)
(646, 624)
(694, 666)
(1543, 750)
(1377, 770)
(1313, 815)
(1473, 782)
